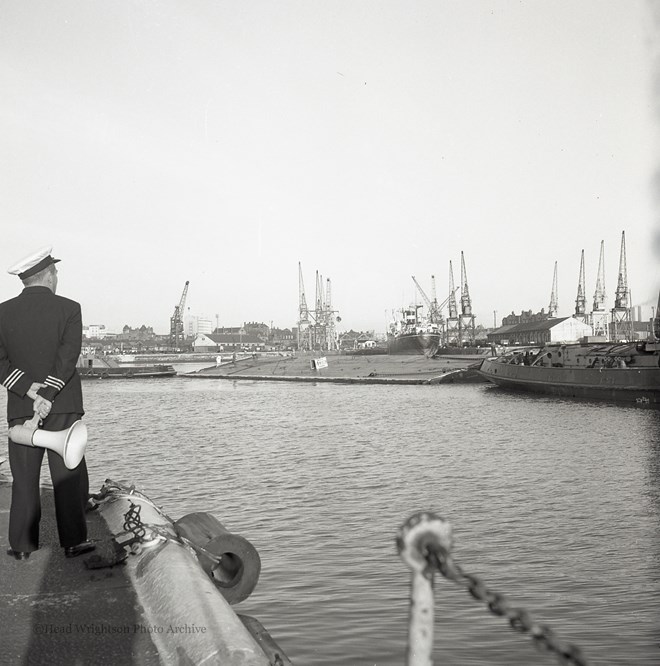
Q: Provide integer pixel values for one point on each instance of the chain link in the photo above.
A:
(133, 523)
(519, 619)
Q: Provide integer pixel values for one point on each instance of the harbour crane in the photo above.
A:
(554, 306)
(331, 337)
(316, 328)
(466, 327)
(432, 304)
(453, 334)
(434, 316)
(176, 320)
(304, 330)
(600, 319)
(599, 294)
(621, 314)
(581, 299)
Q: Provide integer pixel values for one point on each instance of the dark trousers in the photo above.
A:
(70, 486)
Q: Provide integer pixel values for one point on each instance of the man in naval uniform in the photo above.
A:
(40, 340)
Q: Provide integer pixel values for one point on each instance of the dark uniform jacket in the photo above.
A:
(40, 340)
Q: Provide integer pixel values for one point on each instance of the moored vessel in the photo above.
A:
(626, 372)
(94, 367)
(410, 335)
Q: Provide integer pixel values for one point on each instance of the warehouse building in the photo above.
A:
(560, 329)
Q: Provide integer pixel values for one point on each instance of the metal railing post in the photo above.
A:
(420, 532)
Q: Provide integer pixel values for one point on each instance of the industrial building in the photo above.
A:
(560, 329)
(219, 342)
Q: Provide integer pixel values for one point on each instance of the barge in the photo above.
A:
(625, 372)
(94, 367)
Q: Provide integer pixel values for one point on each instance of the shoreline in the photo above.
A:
(344, 368)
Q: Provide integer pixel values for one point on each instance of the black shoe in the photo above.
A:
(18, 554)
(79, 549)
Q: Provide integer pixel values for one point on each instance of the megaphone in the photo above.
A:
(70, 444)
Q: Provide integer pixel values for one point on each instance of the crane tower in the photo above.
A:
(433, 316)
(317, 328)
(176, 320)
(600, 320)
(554, 306)
(581, 299)
(330, 339)
(622, 328)
(453, 325)
(466, 329)
(304, 329)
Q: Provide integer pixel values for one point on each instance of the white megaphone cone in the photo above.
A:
(70, 443)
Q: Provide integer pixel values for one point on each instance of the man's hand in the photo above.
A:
(42, 406)
(32, 391)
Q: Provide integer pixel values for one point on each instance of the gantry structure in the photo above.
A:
(622, 326)
(600, 318)
(317, 329)
(453, 327)
(553, 308)
(466, 326)
(581, 298)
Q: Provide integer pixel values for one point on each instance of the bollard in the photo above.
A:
(174, 592)
(415, 536)
(230, 560)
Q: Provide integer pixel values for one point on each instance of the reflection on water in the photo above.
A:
(554, 503)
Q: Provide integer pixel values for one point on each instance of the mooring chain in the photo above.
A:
(519, 619)
(425, 543)
(133, 525)
(133, 522)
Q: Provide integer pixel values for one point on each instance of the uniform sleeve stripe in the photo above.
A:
(55, 382)
(13, 378)
(11, 375)
(47, 382)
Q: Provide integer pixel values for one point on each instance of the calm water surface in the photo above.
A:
(554, 503)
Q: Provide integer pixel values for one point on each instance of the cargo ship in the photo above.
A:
(410, 335)
(617, 371)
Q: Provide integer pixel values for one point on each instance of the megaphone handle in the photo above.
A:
(34, 422)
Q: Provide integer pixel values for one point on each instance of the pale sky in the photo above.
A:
(223, 142)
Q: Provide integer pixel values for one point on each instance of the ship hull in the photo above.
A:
(634, 385)
(134, 372)
(414, 343)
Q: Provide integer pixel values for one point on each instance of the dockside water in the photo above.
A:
(554, 503)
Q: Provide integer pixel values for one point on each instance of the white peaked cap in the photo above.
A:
(33, 263)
